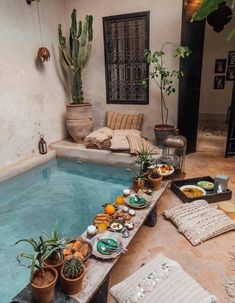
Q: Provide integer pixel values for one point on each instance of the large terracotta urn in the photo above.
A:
(79, 121)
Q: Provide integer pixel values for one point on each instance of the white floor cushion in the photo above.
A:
(161, 280)
(198, 221)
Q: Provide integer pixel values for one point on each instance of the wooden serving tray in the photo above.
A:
(210, 195)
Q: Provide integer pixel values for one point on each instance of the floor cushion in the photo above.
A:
(124, 121)
(119, 140)
(161, 280)
(198, 221)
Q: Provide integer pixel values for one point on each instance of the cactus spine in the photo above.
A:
(73, 268)
(77, 57)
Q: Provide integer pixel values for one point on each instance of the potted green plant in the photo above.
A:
(164, 78)
(42, 278)
(155, 179)
(72, 274)
(144, 158)
(78, 118)
(57, 242)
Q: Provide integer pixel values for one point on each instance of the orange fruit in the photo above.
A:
(119, 200)
(109, 209)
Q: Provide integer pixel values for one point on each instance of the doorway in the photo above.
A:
(205, 91)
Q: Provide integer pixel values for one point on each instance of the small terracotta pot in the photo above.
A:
(45, 294)
(155, 182)
(137, 184)
(71, 286)
(57, 266)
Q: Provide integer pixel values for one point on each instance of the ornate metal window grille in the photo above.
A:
(125, 39)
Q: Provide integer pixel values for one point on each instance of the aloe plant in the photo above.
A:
(40, 252)
(55, 241)
(77, 56)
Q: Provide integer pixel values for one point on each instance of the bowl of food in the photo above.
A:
(165, 169)
(79, 248)
(207, 185)
(193, 191)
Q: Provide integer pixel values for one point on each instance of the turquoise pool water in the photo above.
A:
(61, 194)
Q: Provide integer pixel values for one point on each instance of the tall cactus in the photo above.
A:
(77, 57)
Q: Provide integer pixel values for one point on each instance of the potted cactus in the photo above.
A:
(57, 242)
(72, 274)
(42, 278)
(79, 121)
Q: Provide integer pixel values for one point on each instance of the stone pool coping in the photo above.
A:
(95, 283)
(68, 149)
(25, 164)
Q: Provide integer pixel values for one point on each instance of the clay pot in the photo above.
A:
(155, 182)
(45, 294)
(162, 132)
(57, 265)
(71, 286)
(79, 121)
(137, 184)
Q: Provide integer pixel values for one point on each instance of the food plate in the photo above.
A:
(116, 225)
(207, 185)
(165, 169)
(140, 202)
(108, 238)
(79, 246)
(193, 191)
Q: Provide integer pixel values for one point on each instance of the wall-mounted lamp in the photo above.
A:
(30, 1)
(191, 7)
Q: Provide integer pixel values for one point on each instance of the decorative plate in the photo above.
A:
(165, 169)
(104, 245)
(207, 185)
(193, 191)
(137, 202)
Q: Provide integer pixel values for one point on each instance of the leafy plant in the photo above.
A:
(73, 268)
(209, 6)
(144, 157)
(56, 241)
(77, 57)
(162, 75)
(40, 252)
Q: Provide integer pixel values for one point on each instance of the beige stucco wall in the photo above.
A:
(215, 101)
(165, 25)
(32, 98)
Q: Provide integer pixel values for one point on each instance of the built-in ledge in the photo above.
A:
(25, 164)
(68, 149)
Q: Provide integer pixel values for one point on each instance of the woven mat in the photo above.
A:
(230, 283)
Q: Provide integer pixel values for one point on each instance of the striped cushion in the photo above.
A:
(123, 121)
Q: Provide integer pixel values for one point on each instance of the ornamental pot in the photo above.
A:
(71, 286)
(162, 131)
(44, 293)
(79, 121)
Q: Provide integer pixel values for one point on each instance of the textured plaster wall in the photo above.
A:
(32, 98)
(165, 25)
(215, 101)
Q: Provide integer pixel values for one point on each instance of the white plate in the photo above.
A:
(193, 186)
(107, 234)
(168, 173)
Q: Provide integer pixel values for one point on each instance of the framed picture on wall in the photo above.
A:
(230, 73)
(219, 82)
(220, 66)
(231, 58)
